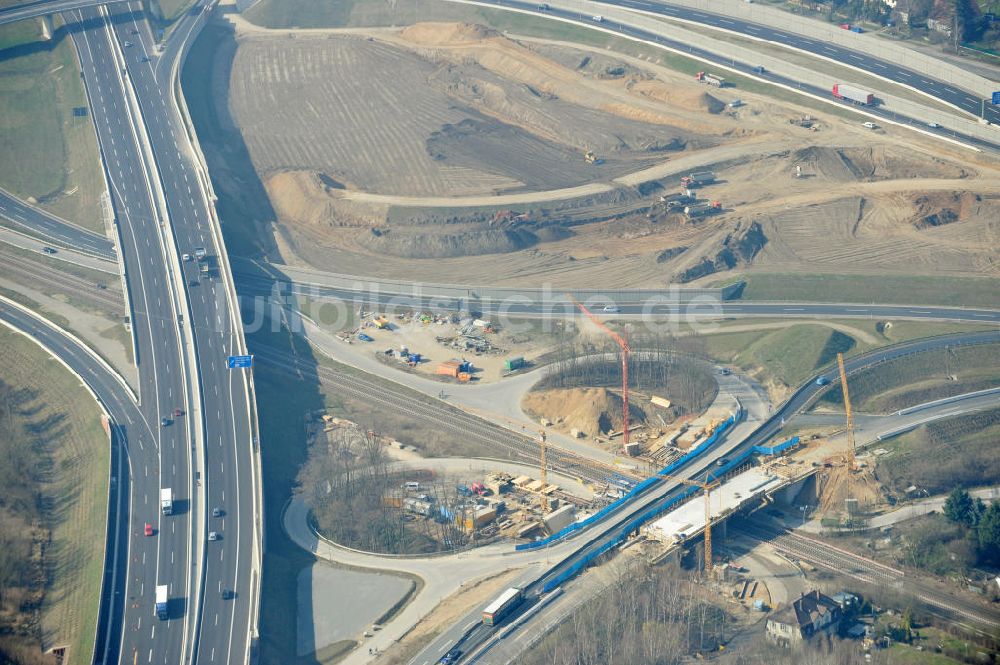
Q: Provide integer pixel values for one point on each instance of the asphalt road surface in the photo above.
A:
(260, 285)
(37, 222)
(222, 630)
(167, 557)
(944, 91)
(133, 444)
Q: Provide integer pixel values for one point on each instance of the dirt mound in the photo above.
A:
(738, 248)
(428, 243)
(940, 208)
(592, 411)
(309, 198)
(679, 96)
(870, 164)
(836, 485)
(447, 34)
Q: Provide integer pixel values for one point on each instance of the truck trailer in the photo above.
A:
(711, 79)
(161, 601)
(167, 500)
(851, 94)
(698, 179)
(499, 608)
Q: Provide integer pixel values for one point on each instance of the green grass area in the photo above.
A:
(57, 164)
(169, 10)
(53, 415)
(920, 378)
(884, 289)
(939, 456)
(788, 355)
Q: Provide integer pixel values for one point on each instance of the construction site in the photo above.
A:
(529, 159)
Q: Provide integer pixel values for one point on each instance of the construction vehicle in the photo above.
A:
(161, 601)
(851, 94)
(507, 601)
(711, 79)
(702, 209)
(167, 500)
(698, 179)
(626, 355)
(851, 464)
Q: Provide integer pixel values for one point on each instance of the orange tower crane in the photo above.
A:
(626, 354)
(850, 415)
(706, 488)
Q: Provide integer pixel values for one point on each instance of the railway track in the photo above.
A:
(109, 297)
(455, 420)
(944, 605)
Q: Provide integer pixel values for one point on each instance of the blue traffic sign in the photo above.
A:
(996, 98)
(239, 362)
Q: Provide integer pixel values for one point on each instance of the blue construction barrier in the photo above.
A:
(778, 448)
(634, 492)
(667, 505)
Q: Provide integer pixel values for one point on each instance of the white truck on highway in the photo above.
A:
(167, 500)
(161, 601)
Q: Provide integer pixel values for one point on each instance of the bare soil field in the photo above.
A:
(448, 152)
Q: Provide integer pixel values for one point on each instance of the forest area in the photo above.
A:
(22, 532)
(685, 378)
(356, 498)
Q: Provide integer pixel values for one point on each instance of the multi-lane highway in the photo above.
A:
(535, 302)
(940, 89)
(200, 413)
(37, 222)
(223, 625)
(133, 445)
(164, 384)
(44, 7)
(943, 90)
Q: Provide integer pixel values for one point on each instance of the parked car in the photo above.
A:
(365, 338)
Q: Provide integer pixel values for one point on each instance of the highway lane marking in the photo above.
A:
(918, 311)
(984, 316)
(794, 309)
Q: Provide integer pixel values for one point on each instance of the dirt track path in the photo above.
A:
(666, 169)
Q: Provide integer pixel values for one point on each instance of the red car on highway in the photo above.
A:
(149, 529)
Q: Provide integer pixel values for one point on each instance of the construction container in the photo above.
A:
(659, 401)
(449, 368)
(560, 518)
(513, 363)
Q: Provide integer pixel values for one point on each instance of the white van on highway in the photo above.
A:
(597, 18)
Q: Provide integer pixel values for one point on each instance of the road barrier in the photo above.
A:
(635, 491)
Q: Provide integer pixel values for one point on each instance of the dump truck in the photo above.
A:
(702, 209)
(167, 500)
(711, 79)
(851, 94)
(698, 179)
(161, 601)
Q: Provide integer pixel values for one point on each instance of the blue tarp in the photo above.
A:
(634, 492)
